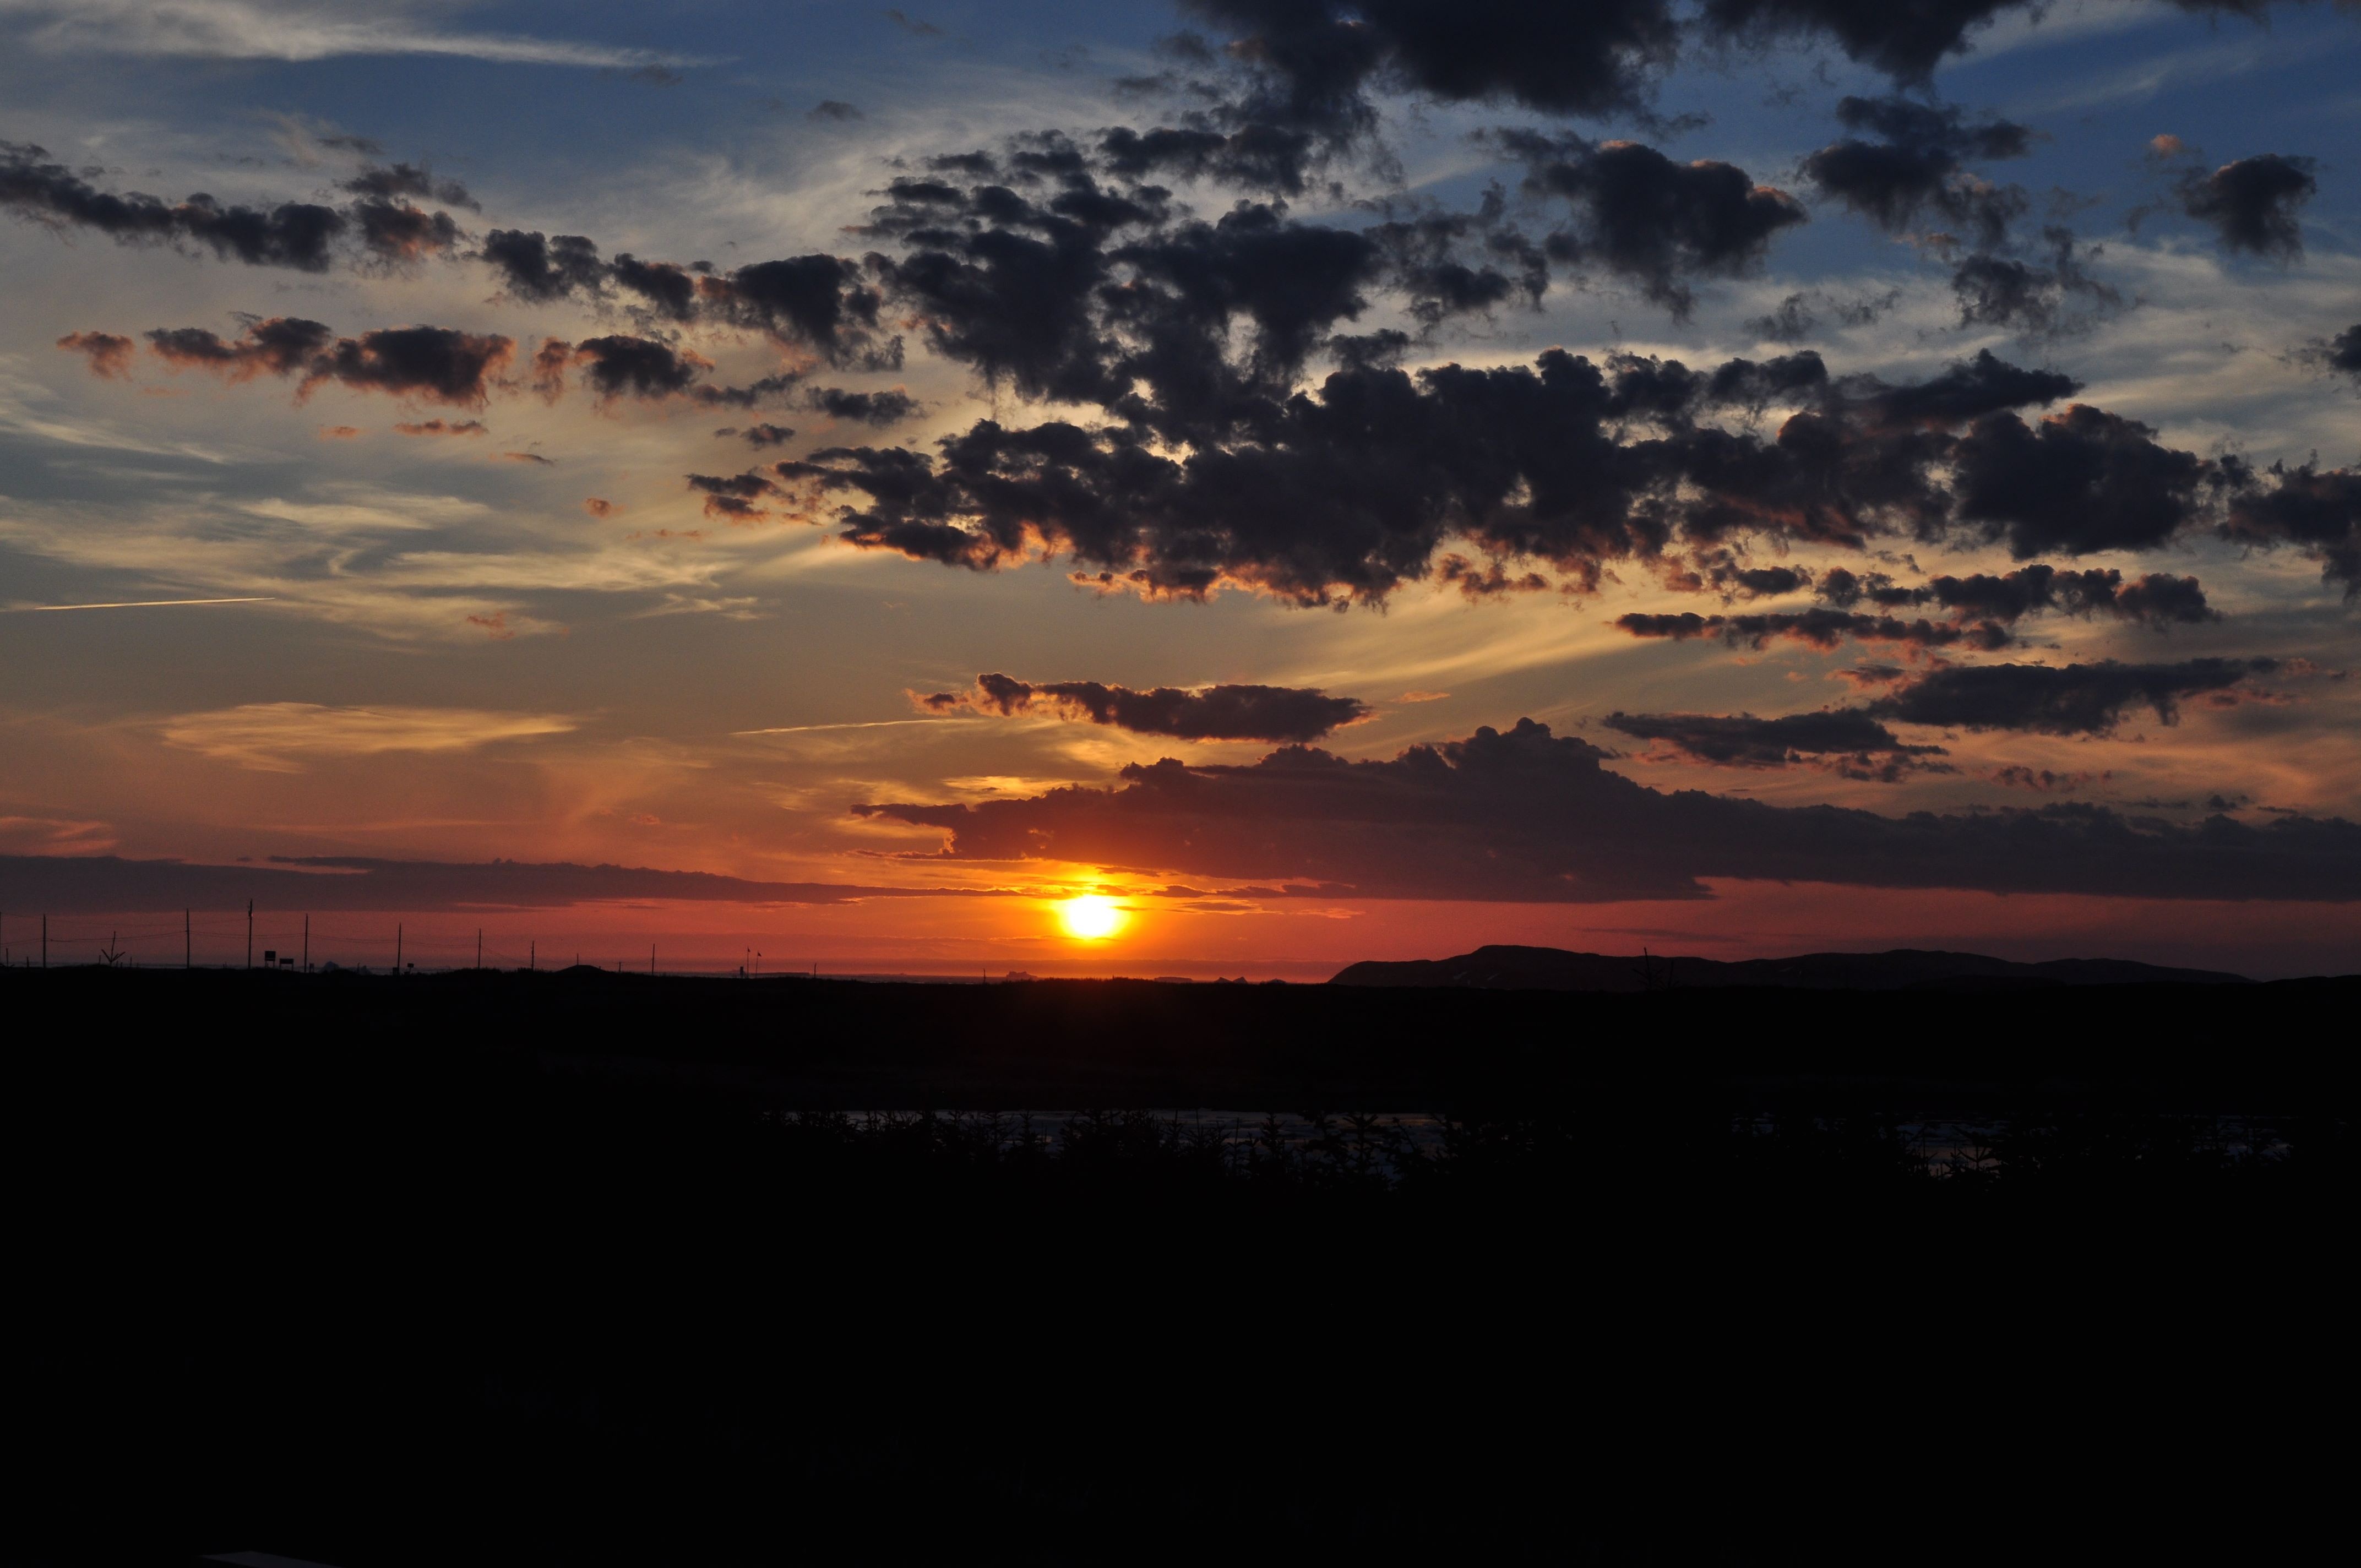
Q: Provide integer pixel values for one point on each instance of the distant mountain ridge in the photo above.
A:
(1903, 969)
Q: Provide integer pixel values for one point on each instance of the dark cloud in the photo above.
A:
(109, 355)
(666, 290)
(442, 427)
(277, 345)
(438, 364)
(734, 498)
(1209, 713)
(1640, 214)
(2156, 600)
(531, 266)
(1969, 389)
(762, 435)
(2252, 204)
(397, 231)
(1350, 490)
(820, 303)
(105, 884)
(2029, 297)
(1823, 628)
(2313, 510)
(833, 109)
(2080, 481)
(638, 366)
(862, 408)
(1905, 42)
(1529, 817)
(1920, 165)
(913, 24)
(1845, 741)
(1799, 314)
(2342, 354)
(402, 180)
(2071, 699)
(1314, 59)
(296, 235)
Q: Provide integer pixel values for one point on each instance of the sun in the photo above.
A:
(1088, 917)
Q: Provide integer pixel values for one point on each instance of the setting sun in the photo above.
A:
(1088, 917)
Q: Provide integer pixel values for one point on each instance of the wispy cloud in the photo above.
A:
(135, 604)
(275, 29)
(274, 737)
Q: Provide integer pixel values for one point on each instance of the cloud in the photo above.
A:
(2072, 699)
(533, 267)
(2029, 298)
(734, 498)
(278, 737)
(294, 30)
(109, 356)
(1845, 741)
(395, 231)
(860, 407)
(2156, 600)
(277, 345)
(2313, 510)
(436, 363)
(1920, 164)
(2082, 481)
(2252, 204)
(1529, 817)
(294, 234)
(833, 109)
(762, 435)
(1208, 713)
(1351, 490)
(1905, 42)
(342, 432)
(102, 883)
(444, 427)
(638, 366)
(1798, 317)
(22, 836)
(1822, 629)
(598, 507)
(1642, 216)
(392, 182)
(2339, 356)
(819, 303)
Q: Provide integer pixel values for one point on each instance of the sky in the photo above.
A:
(1318, 482)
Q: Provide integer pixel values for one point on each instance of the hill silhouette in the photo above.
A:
(1506, 968)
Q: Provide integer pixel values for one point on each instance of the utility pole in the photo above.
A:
(652, 958)
(250, 933)
(480, 947)
(397, 949)
(45, 941)
(307, 944)
(188, 942)
(532, 956)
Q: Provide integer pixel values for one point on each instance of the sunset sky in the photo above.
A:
(1334, 481)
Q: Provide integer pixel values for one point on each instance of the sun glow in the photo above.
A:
(1088, 917)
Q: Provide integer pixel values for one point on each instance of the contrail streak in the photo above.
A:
(132, 604)
(873, 724)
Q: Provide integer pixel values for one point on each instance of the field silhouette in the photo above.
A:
(587, 1268)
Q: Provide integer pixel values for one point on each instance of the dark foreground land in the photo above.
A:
(595, 1268)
